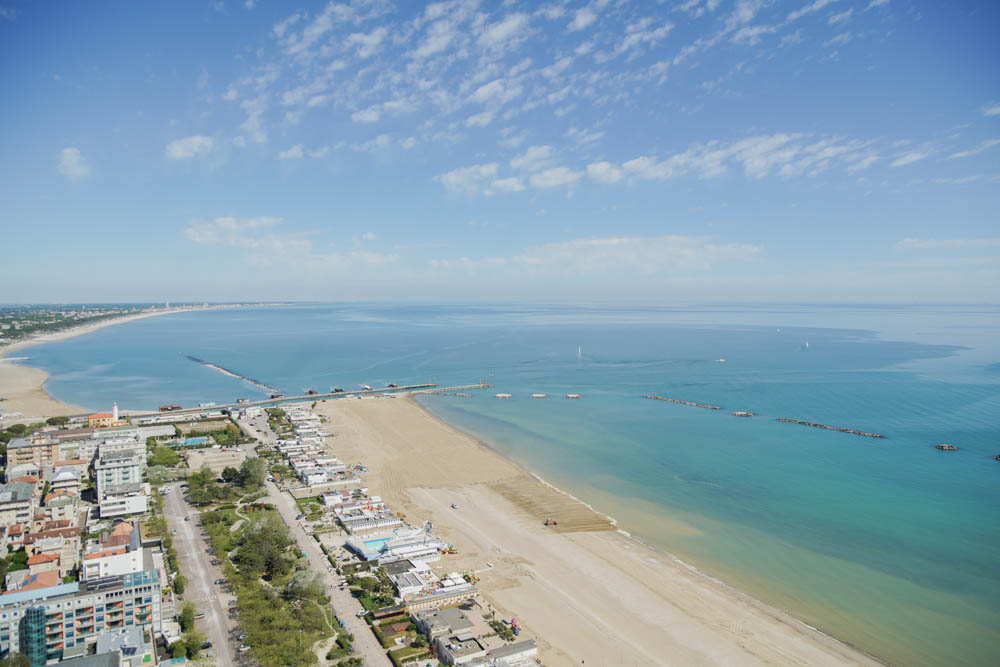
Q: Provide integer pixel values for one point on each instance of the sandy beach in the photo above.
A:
(22, 386)
(586, 590)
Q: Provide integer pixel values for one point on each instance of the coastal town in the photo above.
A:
(131, 540)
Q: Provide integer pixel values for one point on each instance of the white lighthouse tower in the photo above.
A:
(114, 413)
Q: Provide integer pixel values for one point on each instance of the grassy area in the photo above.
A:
(281, 604)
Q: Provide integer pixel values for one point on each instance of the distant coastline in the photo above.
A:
(23, 387)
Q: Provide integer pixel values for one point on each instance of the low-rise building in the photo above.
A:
(17, 503)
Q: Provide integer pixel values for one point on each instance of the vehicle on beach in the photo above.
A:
(454, 506)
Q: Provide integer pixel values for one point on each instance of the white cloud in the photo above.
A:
(809, 9)
(72, 164)
(991, 109)
(583, 18)
(908, 158)
(368, 43)
(480, 119)
(498, 91)
(369, 115)
(841, 17)
(293, 153)
(188, 147)
(8, 13)
(947, 244)
(751, 35)
(437, 39)
(839, 40)
(469, 180)
(507, 185)
(505, 33)
(555, 177)
(379, 143)
(227, 231)
(604, 172)
(533, 159)
(979, 148)
(876, 3)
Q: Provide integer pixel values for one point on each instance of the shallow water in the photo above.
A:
(888, 544)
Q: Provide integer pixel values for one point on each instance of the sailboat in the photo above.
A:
(579, 352)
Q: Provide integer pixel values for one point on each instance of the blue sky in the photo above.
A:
(697, 150)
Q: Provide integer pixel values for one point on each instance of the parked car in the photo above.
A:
(206, 645)
(187, 518)
(220, 581)
(244, 649)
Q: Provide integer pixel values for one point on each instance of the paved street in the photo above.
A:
(194, 560)
(341, 601)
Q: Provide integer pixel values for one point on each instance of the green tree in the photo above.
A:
(177, 649)
(17, 429)
(252, 473)
(164, 456)
(230, 474)
(57, 421)
(180, 583)
(186, 617)
(192, 643)
(16, 660)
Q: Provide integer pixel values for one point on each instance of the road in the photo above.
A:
(341, 601)
(194, 560)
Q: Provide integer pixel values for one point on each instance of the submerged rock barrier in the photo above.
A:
(832, 428)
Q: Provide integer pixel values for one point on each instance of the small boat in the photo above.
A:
(539, 395)
(720, 360)
(573, 396)
(505, 395)
(742, 413)
(946, 447)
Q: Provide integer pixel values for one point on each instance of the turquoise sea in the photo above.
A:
(888, 544)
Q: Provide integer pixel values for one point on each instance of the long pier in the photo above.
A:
(274, 402)
(832, 428)
(677, 400)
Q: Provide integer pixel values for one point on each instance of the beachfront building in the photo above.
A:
(17, 503)
(452, 589)
(100, 420)
(365, 515)
(43, 618)
(404, 543)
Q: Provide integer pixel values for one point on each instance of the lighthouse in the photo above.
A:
(114, 413)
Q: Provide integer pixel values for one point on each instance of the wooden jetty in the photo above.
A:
(832, 428)
(677, 400)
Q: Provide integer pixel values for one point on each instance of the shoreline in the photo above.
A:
(641, 543)
(591, 593)
(23, 386)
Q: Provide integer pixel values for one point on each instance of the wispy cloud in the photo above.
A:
(991, 109)
(908, 158)
(189, 147)
(72, 164)
(976, 150)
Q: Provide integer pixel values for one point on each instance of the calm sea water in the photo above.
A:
(888, 544)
